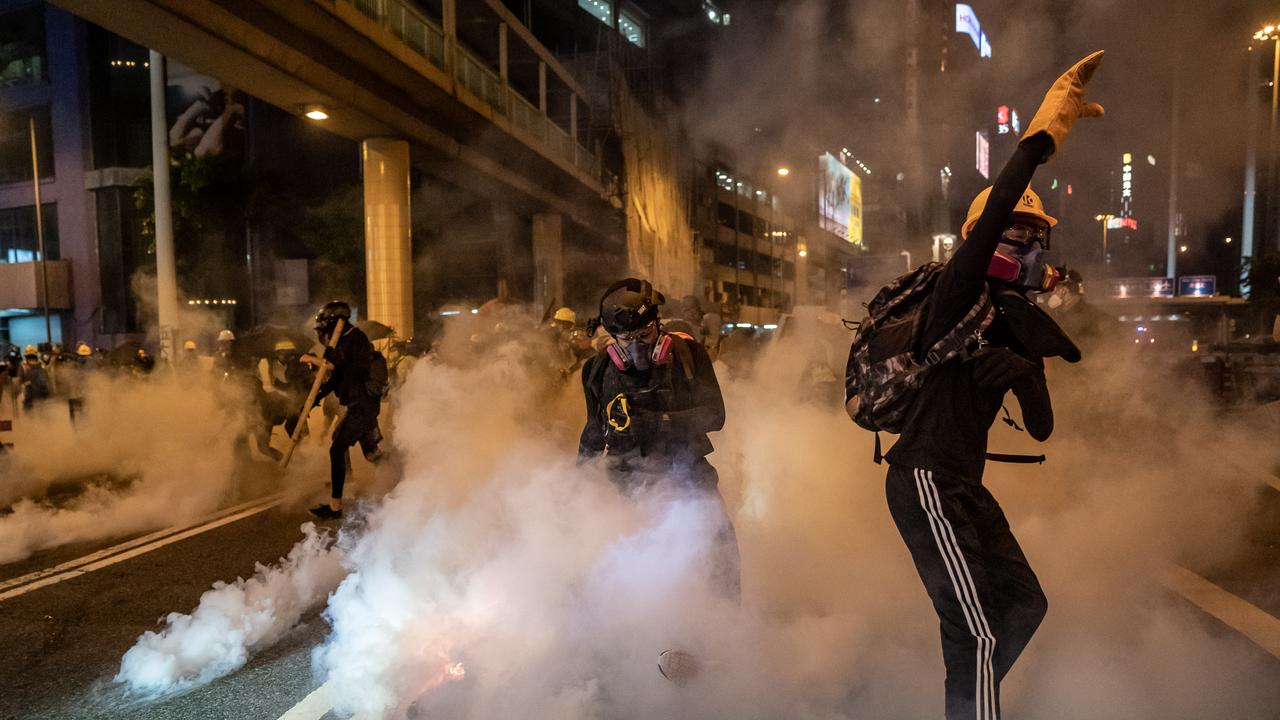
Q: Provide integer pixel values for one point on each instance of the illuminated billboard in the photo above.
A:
(1126, 186)
(983, 150)
(967, 23)
(1007, 120)
(1147, 287)
(1197, 285)
(839, 199)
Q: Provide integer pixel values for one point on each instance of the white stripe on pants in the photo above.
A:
(966, 594)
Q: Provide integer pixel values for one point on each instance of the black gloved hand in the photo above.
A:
(1002, 368)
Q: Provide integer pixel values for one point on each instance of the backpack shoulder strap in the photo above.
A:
(598, 365)
(680, 348)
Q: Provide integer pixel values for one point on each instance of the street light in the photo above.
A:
(1106, 258)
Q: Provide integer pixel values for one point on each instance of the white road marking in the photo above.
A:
(1260, 627)
(131, 549)
(312, 707)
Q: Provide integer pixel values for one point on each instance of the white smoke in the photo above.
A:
(501, 579)
(143, 454)
(232, 620)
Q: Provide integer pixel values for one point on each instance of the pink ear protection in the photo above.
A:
(660, 354)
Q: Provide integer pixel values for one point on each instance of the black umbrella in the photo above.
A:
(375, 330)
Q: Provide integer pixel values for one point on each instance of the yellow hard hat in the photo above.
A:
(83, 350)
(1028, 204)
(189, 345)
(564, 314)
(285, 345)
(30, 350)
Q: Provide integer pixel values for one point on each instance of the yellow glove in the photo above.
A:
(1064, 104)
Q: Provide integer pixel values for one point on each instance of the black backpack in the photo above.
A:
(883, 371)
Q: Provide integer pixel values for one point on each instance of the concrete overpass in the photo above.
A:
(467, 95)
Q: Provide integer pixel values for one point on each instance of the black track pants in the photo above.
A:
(987, 598)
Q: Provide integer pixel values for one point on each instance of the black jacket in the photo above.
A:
(674, 405)
(352, 359)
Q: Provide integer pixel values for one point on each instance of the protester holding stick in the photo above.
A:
(356, 373)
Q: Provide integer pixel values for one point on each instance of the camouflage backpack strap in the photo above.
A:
(906, 288)
(966, 337)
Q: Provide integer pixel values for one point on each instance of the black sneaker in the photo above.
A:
(324, 512)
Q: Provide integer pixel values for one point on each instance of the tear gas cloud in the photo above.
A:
(232, 620)
(557, 594)
(500, 579)
(144, 454)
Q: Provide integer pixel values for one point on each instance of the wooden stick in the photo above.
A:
(321, 373)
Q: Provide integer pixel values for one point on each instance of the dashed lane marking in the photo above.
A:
(1260, 627)
(133, 548)
(312, 707)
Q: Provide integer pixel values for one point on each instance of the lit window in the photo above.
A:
(601, 10)
(630, 28)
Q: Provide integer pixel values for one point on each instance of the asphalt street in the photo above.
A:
(63, 641)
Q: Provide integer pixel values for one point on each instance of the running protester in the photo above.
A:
(359, 386)
(986, 596)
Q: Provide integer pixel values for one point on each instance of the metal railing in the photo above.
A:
(418, 32)
(480, 80)
(426, 39)
(559, 141)
(527, 117)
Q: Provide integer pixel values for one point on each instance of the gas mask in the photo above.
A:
(640, 350)
(1019, 259)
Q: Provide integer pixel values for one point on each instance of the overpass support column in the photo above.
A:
(548, 259)
(388, 250)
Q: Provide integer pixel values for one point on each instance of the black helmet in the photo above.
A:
(629, 305)
(329, 315)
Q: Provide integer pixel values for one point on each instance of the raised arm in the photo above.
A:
(961, 282)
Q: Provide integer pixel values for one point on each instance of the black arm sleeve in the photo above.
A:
(706, 411)
(961, 282)
(591, 443)
(1037, 409)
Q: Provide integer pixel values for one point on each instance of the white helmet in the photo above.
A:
(226, 336)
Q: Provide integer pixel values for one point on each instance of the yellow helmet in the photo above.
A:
(189, 345)
(30, 350)
(83, 350)
(1028, 204)
(282, 345)
(564, 314)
